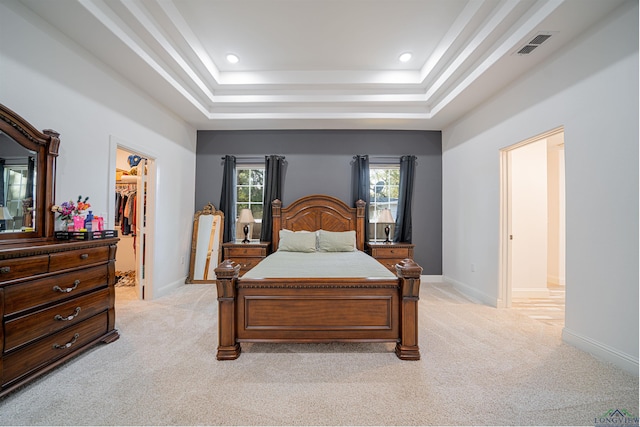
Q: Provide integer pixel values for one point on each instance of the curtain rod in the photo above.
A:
(251, 159)
(387, 159)
(384, 159)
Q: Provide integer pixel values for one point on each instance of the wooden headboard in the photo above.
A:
(318, 212)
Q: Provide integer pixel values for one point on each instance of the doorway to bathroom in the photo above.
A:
(533, 227)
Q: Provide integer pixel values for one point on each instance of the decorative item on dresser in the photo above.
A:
(56, 297)
(247, 255)
(390, 254)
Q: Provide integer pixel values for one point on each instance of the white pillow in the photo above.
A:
(297, 241)
(336, 241)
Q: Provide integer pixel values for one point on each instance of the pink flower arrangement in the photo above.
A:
(67, 210)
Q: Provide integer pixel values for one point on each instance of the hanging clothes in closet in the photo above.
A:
(126, 208)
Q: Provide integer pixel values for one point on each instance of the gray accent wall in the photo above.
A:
(319, 162)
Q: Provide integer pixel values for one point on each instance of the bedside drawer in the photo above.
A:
(78, 258)
(23, 267)
(28, 328)
(392, 252)
(46, 350)
(26, 295)
(249, 251)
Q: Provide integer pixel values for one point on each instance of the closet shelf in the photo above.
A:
(127, 179)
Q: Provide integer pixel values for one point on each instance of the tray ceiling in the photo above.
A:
(320, 63)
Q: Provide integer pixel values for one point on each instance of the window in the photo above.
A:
(385, 183)
(15, 181)
(249, 195)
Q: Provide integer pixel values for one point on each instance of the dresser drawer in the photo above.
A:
(27, 328)
(46, 350)
(23, 296)
(78, 258)
(23, 267)
(248, 251)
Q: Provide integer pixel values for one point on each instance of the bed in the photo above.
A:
(292, 303)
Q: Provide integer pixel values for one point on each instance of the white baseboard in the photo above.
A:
(601, 351)
(555, 280)
(471, 292)
(530, 293)
(431, 278)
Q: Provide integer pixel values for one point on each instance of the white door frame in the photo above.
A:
(114, 144)
(504, 254)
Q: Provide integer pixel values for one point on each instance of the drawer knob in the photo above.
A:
(4, 270)
(69, 317)
(67, 345)
(67, 290)
(84, 256)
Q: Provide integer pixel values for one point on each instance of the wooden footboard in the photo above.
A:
(309, 310)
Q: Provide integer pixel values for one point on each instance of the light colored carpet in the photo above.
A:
(480, 366)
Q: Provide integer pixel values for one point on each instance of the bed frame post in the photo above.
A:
(360, 225)
(276, 218)
(226, 276)
(409, 273)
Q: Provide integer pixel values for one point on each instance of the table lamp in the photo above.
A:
(245, 218)
(385, 217)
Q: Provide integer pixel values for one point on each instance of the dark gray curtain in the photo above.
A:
(405, 199)
(273, 182)
(30, 172)
(360, 188)
(228, 199)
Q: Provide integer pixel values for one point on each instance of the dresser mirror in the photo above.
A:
(27, 162)
(206, 244)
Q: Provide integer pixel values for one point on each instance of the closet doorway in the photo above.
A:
(131, 213)
(532, 221)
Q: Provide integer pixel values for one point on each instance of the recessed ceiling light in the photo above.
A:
(232, 58)
(405, 57)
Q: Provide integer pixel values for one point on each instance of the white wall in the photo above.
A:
(590, 88)
(55, 84)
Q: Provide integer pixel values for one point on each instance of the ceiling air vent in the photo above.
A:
(534, 43)
(527, 49)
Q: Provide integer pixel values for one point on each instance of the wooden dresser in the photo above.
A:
(56, 300)
(248, 255)
(390, 254)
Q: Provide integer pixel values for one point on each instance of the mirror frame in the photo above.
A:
(209, 209)
(46, 145)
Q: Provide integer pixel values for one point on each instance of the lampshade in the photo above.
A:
(385, 217)
(4, 213)
(245, 216)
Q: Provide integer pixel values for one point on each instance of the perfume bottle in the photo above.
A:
(88, 222)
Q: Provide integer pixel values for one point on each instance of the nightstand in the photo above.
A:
(248, 255)
(390, 254)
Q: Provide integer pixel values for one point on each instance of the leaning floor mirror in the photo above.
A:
(206, 249)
